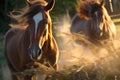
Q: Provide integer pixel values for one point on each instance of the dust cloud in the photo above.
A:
(74, 50)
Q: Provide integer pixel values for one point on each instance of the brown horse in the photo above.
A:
(32, 40)
(93, 21)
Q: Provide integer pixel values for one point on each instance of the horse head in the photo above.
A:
(39, 23)
(96, 17)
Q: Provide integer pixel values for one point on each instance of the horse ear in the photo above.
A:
(50, 5)
(102, 3)
(28, 2)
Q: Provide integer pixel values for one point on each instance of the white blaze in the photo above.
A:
(37, 18)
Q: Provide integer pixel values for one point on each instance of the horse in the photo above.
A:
(30, 40)
(93, 21)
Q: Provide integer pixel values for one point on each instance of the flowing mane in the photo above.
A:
(84, 5)
(24, 14)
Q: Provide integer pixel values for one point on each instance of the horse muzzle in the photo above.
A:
(34, 52)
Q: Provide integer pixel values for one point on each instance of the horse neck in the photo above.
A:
(50, 30)
(50, 26)
(46, 47)
(50, 36)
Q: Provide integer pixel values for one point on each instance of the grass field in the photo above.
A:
(92, 72)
